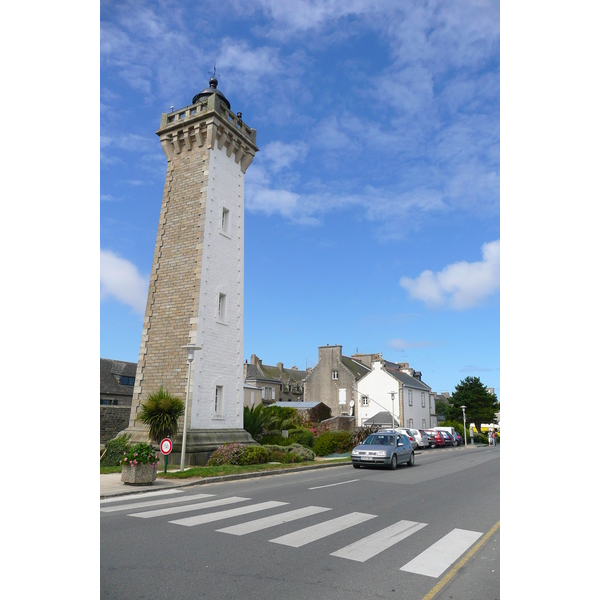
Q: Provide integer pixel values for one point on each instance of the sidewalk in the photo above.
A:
(111, 485)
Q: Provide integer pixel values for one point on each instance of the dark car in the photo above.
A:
(458, 438)
(387, 448)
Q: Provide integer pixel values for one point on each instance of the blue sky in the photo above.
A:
(372, 208)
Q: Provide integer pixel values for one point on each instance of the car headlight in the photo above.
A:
(381, 453)
(354, 452)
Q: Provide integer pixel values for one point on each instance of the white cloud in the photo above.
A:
(121, 281)
(459, 285)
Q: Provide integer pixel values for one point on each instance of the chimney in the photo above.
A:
(280, 366)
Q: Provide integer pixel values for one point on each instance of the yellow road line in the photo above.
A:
(456, 567)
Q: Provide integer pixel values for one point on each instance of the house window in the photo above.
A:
(225, 221)
(218, 401)
(221, 307)
(410, 398)
(268, 393)
(424, 424)
(423, 399)
(365, 401)
(334, 374)
(410, 423)
(127, 380)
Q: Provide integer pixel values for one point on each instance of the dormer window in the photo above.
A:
(125, 380)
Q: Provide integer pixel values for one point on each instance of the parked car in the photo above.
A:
(428, 438)
(410, 436)
(387, 448)
(438, 437)
(459, 438)
(448, 439)
(421, 442)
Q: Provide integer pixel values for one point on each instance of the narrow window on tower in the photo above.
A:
(218, 408)
(222, 308)
(225, 218)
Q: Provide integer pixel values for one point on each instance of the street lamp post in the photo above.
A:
(393, 395)
(190, 358)
(464, 423)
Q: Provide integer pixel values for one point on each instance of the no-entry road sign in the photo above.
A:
(166, 446)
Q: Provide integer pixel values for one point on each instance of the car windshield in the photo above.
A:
(379, 440)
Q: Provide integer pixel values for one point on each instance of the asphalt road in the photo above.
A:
(418, 533)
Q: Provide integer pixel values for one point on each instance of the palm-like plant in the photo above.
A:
(257, 419)
(161, 412)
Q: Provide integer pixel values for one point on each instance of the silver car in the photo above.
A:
(386, 448)
(410, 436)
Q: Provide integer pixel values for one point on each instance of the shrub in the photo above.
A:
(333, 442)
(296, 452)
(302, 436)
(254, 455)
(228, 454)
(277, 440)
(114, 451)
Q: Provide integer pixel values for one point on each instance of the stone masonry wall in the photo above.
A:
(171, 312)
(113, 419)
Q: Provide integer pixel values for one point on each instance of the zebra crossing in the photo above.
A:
(432, 562)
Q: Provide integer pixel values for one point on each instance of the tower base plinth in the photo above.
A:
(199, 444)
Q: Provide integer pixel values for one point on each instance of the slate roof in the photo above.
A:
(110, 373)
(381, 418)
(300, 405)
(408, 380)
(358, 369)
(273, 373)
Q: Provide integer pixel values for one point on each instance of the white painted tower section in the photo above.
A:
(217, 394)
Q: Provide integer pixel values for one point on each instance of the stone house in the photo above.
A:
(275, 383)
(333, 381)
(396, 388)
(117, 378)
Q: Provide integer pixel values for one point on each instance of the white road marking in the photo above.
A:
(332, 484)
(154, 503)
(438, 557)
(172, 510)
(142, 495)
(378, 542)
(226, 514)
(321, 530)
(272, 521)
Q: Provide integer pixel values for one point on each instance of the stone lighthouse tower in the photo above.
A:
(196, 291)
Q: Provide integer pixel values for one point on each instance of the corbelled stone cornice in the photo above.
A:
(204, 124)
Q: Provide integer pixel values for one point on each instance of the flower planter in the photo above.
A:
(140, 474)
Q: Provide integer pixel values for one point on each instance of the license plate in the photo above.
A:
(366, 458)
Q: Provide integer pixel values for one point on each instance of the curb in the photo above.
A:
(222, 478)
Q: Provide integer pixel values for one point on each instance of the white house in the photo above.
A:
(398, 389)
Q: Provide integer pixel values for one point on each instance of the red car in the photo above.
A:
(439, 438)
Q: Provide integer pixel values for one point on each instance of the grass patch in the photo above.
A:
(107, 470)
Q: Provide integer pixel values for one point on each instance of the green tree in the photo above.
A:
(161, 412)
(481, 406)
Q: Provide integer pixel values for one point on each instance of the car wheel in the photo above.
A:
(455, 443)
(394, 462)
(356, 466)
(411, 461)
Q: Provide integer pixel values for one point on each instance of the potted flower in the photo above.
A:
(138, 464)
